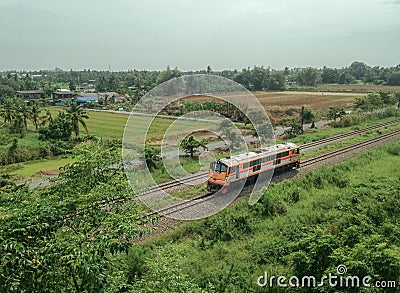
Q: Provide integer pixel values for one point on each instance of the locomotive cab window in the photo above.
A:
(296, 151)
(218, 167)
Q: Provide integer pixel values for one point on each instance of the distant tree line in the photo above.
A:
(137, 82)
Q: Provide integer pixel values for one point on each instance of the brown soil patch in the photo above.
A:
(52, 172)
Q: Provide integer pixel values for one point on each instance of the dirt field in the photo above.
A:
(317, 101)
(364, 88)
(280, 105)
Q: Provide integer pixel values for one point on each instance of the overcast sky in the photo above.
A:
(191, 34)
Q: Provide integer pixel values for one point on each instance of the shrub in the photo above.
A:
(224, 228)
(269, 205)
(394, 150)
(136, 264)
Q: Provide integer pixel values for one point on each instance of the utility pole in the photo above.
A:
(302, 118)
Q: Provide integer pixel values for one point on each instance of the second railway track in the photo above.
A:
(190, 203)
(204, 174)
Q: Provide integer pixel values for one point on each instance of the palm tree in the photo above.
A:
(48, 118)
(8, 110)
(76, 114)
(25, 113)
(35, 112)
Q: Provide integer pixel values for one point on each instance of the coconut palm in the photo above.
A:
(77, 115)
(8, 110)
(48, 118)
(35, 115)
(25, 113)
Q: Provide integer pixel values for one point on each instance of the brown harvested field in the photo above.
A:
(365, 88)
(287, 99)
(281, 105)
(318, 101)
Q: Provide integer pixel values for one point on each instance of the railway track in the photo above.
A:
(306, 146)
(190, 203)
(349, 148)
(203, 176)
(339, 137)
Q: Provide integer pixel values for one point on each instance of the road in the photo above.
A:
(278, 131)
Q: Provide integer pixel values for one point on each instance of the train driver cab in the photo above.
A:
(218, 170)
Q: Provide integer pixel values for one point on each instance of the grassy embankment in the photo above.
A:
(345, 214)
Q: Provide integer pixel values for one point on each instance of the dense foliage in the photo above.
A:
(136, 82)
(64, 238)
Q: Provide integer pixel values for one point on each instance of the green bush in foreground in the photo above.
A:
(63, 238)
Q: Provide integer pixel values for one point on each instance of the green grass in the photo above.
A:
(112, 125)
(346, 142)
(327, 131)
(30, 139)
(31, 168)
(345, 214)
(191, 192)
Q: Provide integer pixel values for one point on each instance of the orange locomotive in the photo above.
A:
(248, 166)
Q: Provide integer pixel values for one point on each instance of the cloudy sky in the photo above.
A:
(191, 34)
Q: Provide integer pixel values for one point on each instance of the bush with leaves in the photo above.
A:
(190, 145)
(59, 129)
(63, 239)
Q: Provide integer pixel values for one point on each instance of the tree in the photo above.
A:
(35, 115)
(72, 86)
(47, 119)
(59, 129)
(358, 69)
(370, 102)
(77, 115)
(308, 77)
(388, 98)
(8, 110)
(168, 74)
(294, 130)
(244, 78)
(335, 113)
(18, 125)
(190, 145)
(259, 77)
(152, 156)
(394, 79)
(25, 113)
(235, 140)
(276, 81)
(307, 116)
(346, 78)
(330, 75)
(62, 238)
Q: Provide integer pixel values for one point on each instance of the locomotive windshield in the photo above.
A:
(218, 167)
